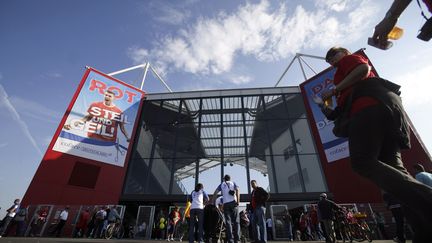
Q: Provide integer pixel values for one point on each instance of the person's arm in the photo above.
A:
(383, 28)
(214, 195)
(238, 195)
(206, 197)
(123, 129)
(357, 74)
(85, 119)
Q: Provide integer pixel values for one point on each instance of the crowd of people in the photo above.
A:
(204, 217)
(91, 224)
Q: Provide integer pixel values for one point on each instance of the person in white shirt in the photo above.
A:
(9, 216)
(231, 198)
(198, 198)
(62, 221)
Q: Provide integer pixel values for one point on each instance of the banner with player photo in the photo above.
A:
(101, 121)
(334, 148)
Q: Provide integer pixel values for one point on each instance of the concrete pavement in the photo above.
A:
(81, 240)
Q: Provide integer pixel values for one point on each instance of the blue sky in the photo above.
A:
(194, 45)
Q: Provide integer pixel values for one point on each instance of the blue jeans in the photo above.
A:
(232, 217)
(195, 214)
(259, 225)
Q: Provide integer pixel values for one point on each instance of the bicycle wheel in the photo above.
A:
(119, 232)
(109, 231)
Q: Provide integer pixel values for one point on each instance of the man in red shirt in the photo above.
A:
(377, 131)
(104, 118)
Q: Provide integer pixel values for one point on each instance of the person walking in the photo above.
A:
(377, 131)
(258, 199)
(198, 198)
(173, 219)
(11, 212)
(61, 223)
(99, 222)
(326, 209)
(18, 222)
(81, 226)
(231, 198)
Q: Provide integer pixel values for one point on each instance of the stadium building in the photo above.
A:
(174, 140)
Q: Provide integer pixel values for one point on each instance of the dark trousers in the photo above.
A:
(232, 218)
(196, 219)
(4, 224)
(375, 154)
(259, 225)
(400, 222)
(58, 229)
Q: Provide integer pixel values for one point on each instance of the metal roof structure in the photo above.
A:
(226, 119)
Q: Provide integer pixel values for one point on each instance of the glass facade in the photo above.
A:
(260, 134)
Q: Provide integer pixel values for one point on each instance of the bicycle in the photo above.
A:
(114, 229)
(360, 231)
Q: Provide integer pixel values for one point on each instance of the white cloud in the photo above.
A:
(54, 75)
(46, 141)
(241, 79)
(4, 101)
(168, 12)
(173, 16)
(211, 45)
(35, 110)
(416, 87)
(335, 5)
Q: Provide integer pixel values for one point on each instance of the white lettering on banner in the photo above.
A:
(107, 114)
(101, 120)
(92, 127)
(85, 149)
(323, 123)
(338, 150)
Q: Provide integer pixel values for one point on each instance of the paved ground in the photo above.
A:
(67, 240)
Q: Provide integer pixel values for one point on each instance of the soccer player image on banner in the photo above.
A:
(103, 107)
(334, 148)
(105, 113)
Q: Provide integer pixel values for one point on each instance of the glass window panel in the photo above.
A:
(231, 103)
(259, 171)
(280, 224)
(295, 105)
(280, 136)
(160, 176)
(210, 174)
(312, 173)
(274, 108)
(187, 141)
(136, 180)
(184, 176)
(211, 104)
(287, 174)
(144, 141)
(303, 137)
(236, 168)
(259, 141)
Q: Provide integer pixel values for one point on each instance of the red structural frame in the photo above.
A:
(50, 183)
(347, 186)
